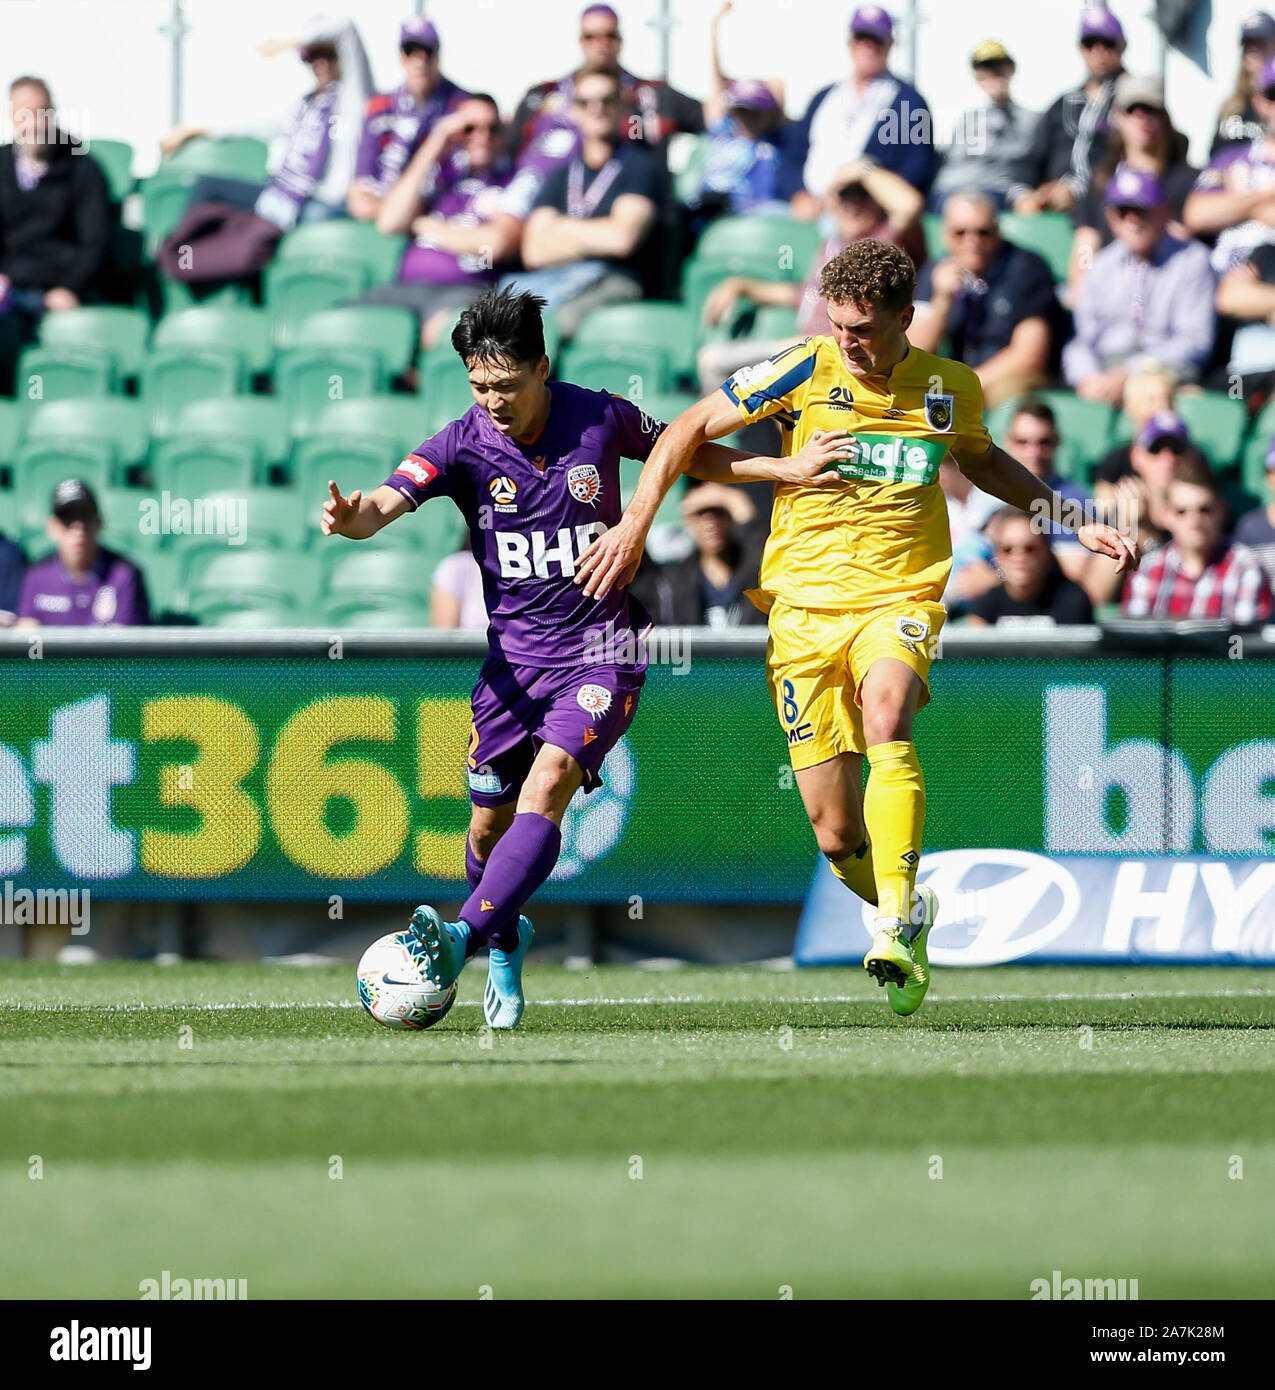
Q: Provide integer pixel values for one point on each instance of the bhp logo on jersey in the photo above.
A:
(544, 554)
(420, 470)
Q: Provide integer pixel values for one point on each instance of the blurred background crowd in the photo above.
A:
(187, 358)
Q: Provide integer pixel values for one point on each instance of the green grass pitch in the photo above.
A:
(725, 1132)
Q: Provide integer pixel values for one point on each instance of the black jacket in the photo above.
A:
(673, 597)
(1069, 139)
(58, 233)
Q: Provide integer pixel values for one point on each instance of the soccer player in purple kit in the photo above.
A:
(533, 467)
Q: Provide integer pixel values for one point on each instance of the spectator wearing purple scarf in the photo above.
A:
(464, 207)
(395, 123)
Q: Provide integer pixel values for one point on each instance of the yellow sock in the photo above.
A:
(855, 871)
(894, 813)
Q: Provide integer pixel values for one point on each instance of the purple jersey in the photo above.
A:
(394, 126)
(112, 592)
(532, 510)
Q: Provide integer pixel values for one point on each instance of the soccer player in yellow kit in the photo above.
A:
(853, 574)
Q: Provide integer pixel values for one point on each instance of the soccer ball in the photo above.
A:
(395, 988)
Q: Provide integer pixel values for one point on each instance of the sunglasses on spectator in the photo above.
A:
(984, 232)
(1094, 42)
(1205, 509)
(1024, 548)
(410, 48)
(479, 125)
(1144, 109)
(1174, 446)
(612, 34)
(595, 101)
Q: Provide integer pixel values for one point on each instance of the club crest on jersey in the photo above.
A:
(584, 483)
(504, 493)
(912, 630)
(938, 412)
(419, 470)
(594, 699)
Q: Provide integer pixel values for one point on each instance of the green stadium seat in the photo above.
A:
(1253, 463)
(240, 328)
(389, 330)
(173, 377)
(295, 289)
(661, 325)
(371, 570)
(40, 465)
(10, 428)
(126, 527)
(342, 240)
(255, 614)
(1216, 423)
(670, 509)
(775, 321)
(619, 368)
(162, 570)
(398, 418)
(164, 198)
(666, 405)
(447, 396)
(194, 465)
(932, 227)
(275, 516)
(237, 157)
(111, 329)
(1084, 426)
(1049, 234)
(261, 420)
(400, 614)
(306, 378)
(176, 298)
(115, 159)
(351, 462)
(61, 374)
(689, 179)
(218, 573)
(788, 244)
(111, 419)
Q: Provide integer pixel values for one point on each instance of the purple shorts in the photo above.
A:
(583, 710)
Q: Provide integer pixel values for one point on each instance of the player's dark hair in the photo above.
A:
(501, 327)
(1036, 409)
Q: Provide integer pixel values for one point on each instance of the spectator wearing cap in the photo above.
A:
(864, 200)
(991, 139)
(1148, 296)
(869, 114)
(395, 123)
(81, 584)
(56, 219)
(543, 134)
(1032, 590)
(1256, 529)
(1234, 197)
(708, 588)
(1142, 137)
(588, 240)
(992, 302)
(743, 152)
(1199, 573)
(231, 226)
(1238, 122)
(459, 199)
(1056, 172)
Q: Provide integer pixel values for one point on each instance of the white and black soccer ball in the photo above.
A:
(395, 988)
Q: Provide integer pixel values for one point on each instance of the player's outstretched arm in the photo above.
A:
(359, 517)
(1001, 475)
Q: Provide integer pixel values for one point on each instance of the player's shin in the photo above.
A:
(473, 865)
(856, 872)
(519, 864)
(894, 812)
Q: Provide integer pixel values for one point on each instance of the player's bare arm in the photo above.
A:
(359, 517)
(1001, 475)
(686, 447)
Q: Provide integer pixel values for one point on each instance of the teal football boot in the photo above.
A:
(503, 1000)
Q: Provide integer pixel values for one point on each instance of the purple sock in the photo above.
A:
(520, 863)
(473, 866)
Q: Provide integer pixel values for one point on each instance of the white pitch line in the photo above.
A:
(657, 999)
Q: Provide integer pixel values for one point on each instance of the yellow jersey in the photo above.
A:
(880, 536)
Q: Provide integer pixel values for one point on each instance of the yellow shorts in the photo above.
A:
(816, 661)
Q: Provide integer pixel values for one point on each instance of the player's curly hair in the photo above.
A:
(870, 273)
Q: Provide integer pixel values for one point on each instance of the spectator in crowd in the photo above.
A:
(1056, 171)
(1148, 390)
(13, 563)
(990, 140)
(742, 157)
(56, 219)
(395, 123)
(456, 595)
(1032, 588)
(544, 134)
(992, 302)
(707, 589)
(1238, 122)
(1256, 529)
(864, 200)
(465, 210)
(1142, 138)
(870, 113)
(1246, 295)
(1234, 197)
(587, 242)
(81, 584)
(1148, 296)
(968, 510)
(231, 226)
(1199, 573)
(1033, 439)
